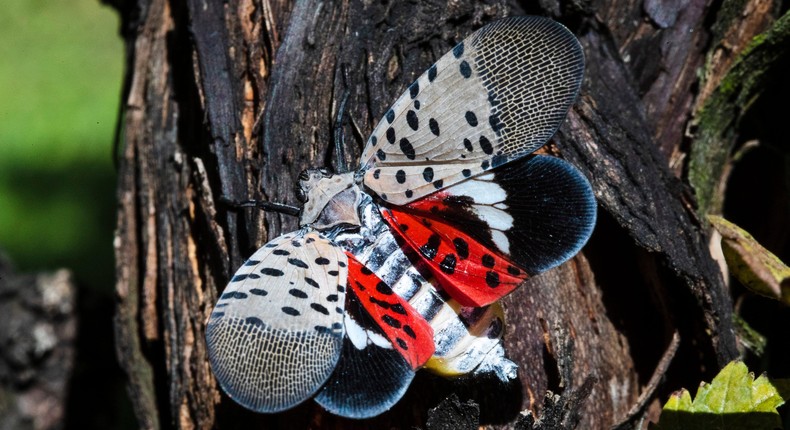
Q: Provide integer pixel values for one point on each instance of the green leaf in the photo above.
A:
(734, 399)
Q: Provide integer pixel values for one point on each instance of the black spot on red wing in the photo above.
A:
(290, 311)
(407, 149)
(414, 89)
(438, 184)
(461, 247)
(322, 261)
(297, 293)
(233, 295)
(471, 118)
(391, 135)
(427, 174)
(465, 70)
(258, 292)
(492, 279)
(383, 288)
(515, 271)
(468, 145)
(380, 303)
(365, 270)
(411, 119)
(432, 73)
(409, 331)
(400, 176)
(458, 50)
(485, 144)
(280, 252)
(398, 308)
(448, 264)
(401, 343)
(311, 282)
(488, 260)
(270, 271)
(390, 116)
(434, 126)
(298, 263)
(404, 227)
(392, 322)
(318, 308)
(430, 249)
(377, 172)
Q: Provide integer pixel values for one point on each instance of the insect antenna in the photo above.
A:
(263, 205)
(339, 134)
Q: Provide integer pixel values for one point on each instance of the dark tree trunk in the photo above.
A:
(232, 100)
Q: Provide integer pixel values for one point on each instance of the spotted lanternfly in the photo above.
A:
(400, 264)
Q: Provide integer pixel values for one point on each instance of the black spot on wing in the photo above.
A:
(485, 144)
(390, 116)
(383, 288)
(391, 135)
(414, 89)
(431, 247)
(468, 145)
(320, 309)
(290, 311)
(427, 174)
(253, 321)
(407, 149)
(280, 252)
(465, 70)
(258, 292)
(401, 343)
(461, 247)
(458, 50)
(298, 263)
(400, 176)
(297, 293)
(322, 261)
(492, 279)
(233, 295)
(253, 262)
(270, 271)
(411, 119)
(471, 118)
(488, 261)
(434, 126)
(432, 73)
(392, 322)
(311, 282)
(448, 264)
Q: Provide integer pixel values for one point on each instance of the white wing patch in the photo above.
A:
(276, 332)
(497, 96)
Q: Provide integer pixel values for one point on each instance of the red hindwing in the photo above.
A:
(470, 272)
(402, 325)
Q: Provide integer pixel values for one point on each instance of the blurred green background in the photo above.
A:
(60, 83)
(59, 94)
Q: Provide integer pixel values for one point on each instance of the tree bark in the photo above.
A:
(232, 100)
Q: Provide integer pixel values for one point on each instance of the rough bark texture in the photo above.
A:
(234, 99)
(38, 346)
